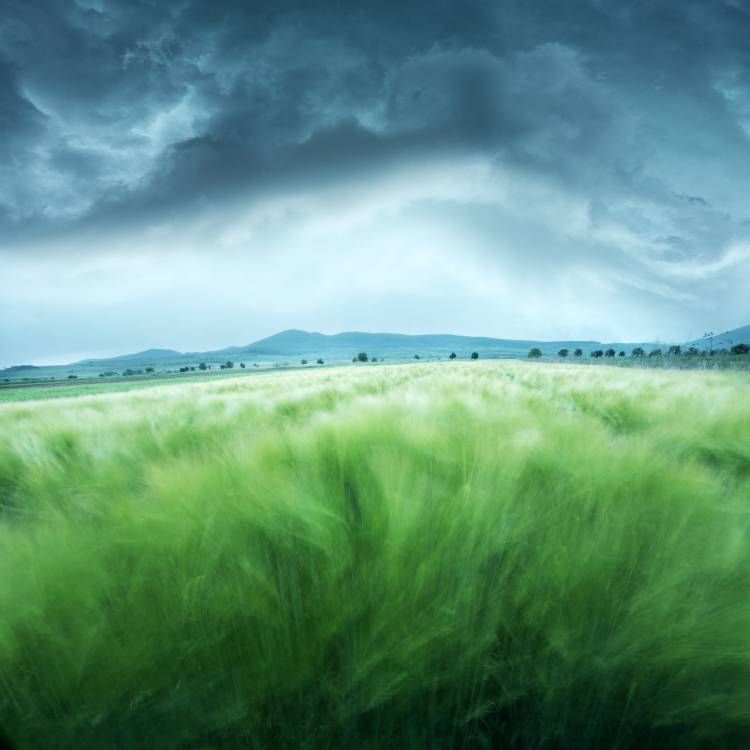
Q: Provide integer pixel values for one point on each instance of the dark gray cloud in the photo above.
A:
(629, 120)
(119, 98)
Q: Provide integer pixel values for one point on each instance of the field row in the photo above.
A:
(446, 555)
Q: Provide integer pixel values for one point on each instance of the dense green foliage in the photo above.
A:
(460, 555)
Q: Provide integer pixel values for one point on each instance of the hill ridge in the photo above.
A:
(296, 342)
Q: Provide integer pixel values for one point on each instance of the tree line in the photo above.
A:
(365, 357)
(638, 351)
(534, 353)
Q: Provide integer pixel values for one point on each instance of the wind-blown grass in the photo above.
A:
(453, 555)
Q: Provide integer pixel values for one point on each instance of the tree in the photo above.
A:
(361, 357)
(740, 349)
(475, 355)
(597, 353)
(202, 366)
(229, 364)
(563, 353)
(675, 351)
(374, 359)
(320, 362)
(609, 353)
(621, 354)
(655, 353)
(637, 352)
(452, 355)
(416, 356)
(535, 353)
(242, 365)
(149, 369)
(304, 361)
(578, 353)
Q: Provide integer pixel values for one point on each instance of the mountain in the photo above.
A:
(724, 340)
(295, 343)
(292, 345)
(148, 355)
(19, 368)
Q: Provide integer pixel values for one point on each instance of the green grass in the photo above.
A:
(464, 555)
(739, 362)
(68, 389)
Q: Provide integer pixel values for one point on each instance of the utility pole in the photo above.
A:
(710, 336)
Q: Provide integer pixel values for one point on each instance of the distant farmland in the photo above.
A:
(443, 555)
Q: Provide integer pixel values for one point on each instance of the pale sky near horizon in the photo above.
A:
(194, 174)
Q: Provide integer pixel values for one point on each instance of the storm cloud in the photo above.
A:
(200, 173)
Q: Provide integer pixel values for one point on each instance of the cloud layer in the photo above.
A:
(527, 169)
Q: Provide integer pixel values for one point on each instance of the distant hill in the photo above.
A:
(294, 344)
(145, 356)
(724, 340)
(19, 368)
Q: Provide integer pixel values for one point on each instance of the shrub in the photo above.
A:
(563, 353)
(535, 352)
(475, 355)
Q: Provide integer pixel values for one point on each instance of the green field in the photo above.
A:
(449, 555)
(69, 388)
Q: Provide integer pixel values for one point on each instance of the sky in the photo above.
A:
(195, 174)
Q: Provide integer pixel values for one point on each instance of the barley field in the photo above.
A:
(453, 555)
